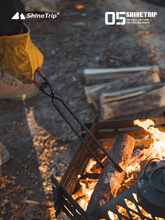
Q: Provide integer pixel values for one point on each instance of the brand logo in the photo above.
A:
(43, 15)
(46, 15)
(122, 18)
(18, 16)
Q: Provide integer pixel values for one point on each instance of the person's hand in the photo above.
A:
(19, 56)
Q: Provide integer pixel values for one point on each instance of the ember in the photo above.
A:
(80, 6)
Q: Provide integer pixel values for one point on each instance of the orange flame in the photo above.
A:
(157, 135)
(87, 186)
(90, 165)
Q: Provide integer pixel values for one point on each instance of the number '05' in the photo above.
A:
(117, 18)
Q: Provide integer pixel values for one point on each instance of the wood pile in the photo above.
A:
(122, 91)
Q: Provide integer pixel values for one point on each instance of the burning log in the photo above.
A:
(111, 179)
(137, 157)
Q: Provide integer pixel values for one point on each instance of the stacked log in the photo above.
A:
(131, 93)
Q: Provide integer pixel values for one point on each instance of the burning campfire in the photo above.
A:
(139, 158)
(140, 143)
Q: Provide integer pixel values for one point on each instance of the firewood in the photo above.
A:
(147, 101)
(136, 157)
(110, 178)
(102, 75)
(126, 93)
(135, 80)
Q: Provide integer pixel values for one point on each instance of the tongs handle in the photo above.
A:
(53, 97)
(36, 83)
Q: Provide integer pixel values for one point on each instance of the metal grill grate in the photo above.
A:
(129, 203)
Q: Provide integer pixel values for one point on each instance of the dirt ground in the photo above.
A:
(39, 141)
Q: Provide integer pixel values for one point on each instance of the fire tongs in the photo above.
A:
(43, 88)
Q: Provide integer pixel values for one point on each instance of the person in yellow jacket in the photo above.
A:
(19, 57)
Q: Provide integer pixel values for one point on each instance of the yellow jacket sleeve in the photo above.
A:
(19, 56)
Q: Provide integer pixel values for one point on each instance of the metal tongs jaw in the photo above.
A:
(44, 86)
